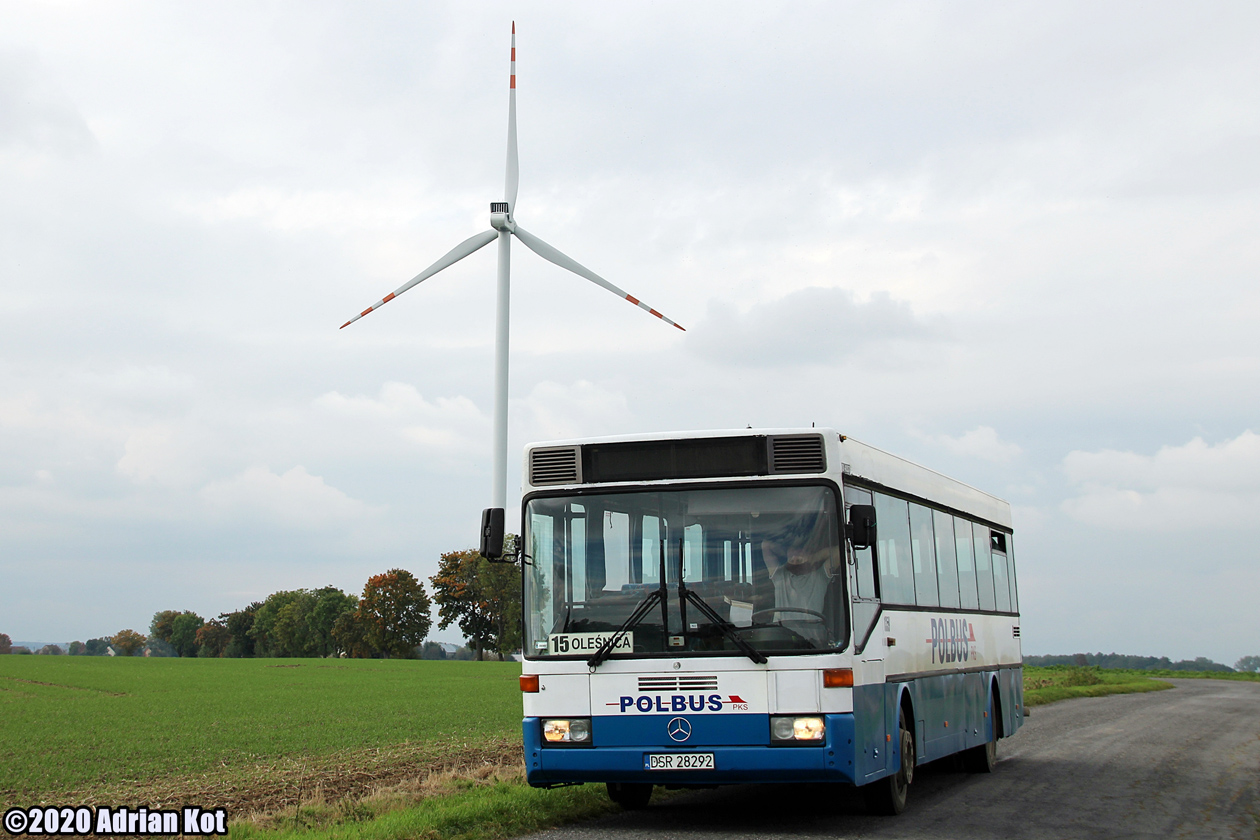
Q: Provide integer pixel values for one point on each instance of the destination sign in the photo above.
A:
(562, 643)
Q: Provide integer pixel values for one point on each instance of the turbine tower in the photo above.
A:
(503, 228)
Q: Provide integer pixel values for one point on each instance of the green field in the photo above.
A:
(314, 748)
(73, 722)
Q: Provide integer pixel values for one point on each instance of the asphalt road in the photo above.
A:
(1177, 763)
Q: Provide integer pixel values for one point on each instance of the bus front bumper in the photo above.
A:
(831, 761)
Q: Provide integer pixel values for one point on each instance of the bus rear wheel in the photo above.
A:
(630, 795)
(888, 795)
(983, 759)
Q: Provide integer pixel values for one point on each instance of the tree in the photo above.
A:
(77, 649)
(394, 611)
(239, 623)
(432, 650)
(127, 642)
(159, 648)
(6, 644)
(184, 633)
(163, 624)
(1249, 664)
(96, 647)
(484, 598)
(212, 638)
(269, 642)
(349, 636)
(330, 604)
(50, 650)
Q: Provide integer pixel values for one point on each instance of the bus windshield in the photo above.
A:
(767, 561)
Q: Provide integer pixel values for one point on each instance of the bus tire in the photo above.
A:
(888, 795)
(630, 795)
(983, 759)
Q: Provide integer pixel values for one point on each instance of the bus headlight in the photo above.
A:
(810, 728)
(567, 730)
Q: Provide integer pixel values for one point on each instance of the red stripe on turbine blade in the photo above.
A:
(346, 324)
(514, 53)
(657, 314)
(513, 85)
(513, 27)
(680, 327)
(632, 299)
(388, 298)
(366, 311)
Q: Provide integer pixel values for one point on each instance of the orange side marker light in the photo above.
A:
(529, 683)
(838, 678)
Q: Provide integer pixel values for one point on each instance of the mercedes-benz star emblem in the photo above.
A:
(679, 729)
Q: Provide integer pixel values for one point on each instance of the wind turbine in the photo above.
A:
(503, 228)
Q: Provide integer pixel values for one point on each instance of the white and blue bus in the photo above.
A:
(760, 606)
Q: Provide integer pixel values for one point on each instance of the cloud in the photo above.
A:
(157, 454)
(816, 325)
(295, 499)
(553, 411)
(1178, 488)
(981, 442)
(446, 423)
(34, 115)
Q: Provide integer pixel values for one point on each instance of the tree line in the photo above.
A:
(1142, 663)
(391, 619)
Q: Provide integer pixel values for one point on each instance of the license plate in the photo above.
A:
(678, 761)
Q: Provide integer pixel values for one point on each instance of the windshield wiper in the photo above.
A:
(660, 594)
(685, 595)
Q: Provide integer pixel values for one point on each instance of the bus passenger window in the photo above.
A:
(984, 565)
(967, 592)
(923, 552)
(892, 550)
(1001, 583)
(946, 558)
(1010, 562)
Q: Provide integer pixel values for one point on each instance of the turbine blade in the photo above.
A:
(513, 168)
(453, 256)
(550, 254)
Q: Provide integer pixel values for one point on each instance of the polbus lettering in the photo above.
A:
(674, 703)
(951, 640)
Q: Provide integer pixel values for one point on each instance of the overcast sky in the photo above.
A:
(1014, 242)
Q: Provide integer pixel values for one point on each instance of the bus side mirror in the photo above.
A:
(862, 526)
(492, 533)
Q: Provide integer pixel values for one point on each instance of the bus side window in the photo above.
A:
(1010, 560)
(946, 558)
(923, 551)
(1001, 578)
(892, 550)
(863, 561)
(967, 591)
(984, 565)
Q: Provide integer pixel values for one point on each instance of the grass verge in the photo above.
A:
(498, 805)
(1065, 682)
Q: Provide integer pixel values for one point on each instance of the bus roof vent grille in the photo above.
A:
(556, 465)
(797, 454)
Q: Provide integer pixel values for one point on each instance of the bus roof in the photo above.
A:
(845, 455)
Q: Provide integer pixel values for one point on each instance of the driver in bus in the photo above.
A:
(801, 562)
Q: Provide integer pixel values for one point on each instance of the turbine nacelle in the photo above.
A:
(501, 216)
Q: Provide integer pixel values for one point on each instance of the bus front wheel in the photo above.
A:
(888, 795)
(630, 795)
